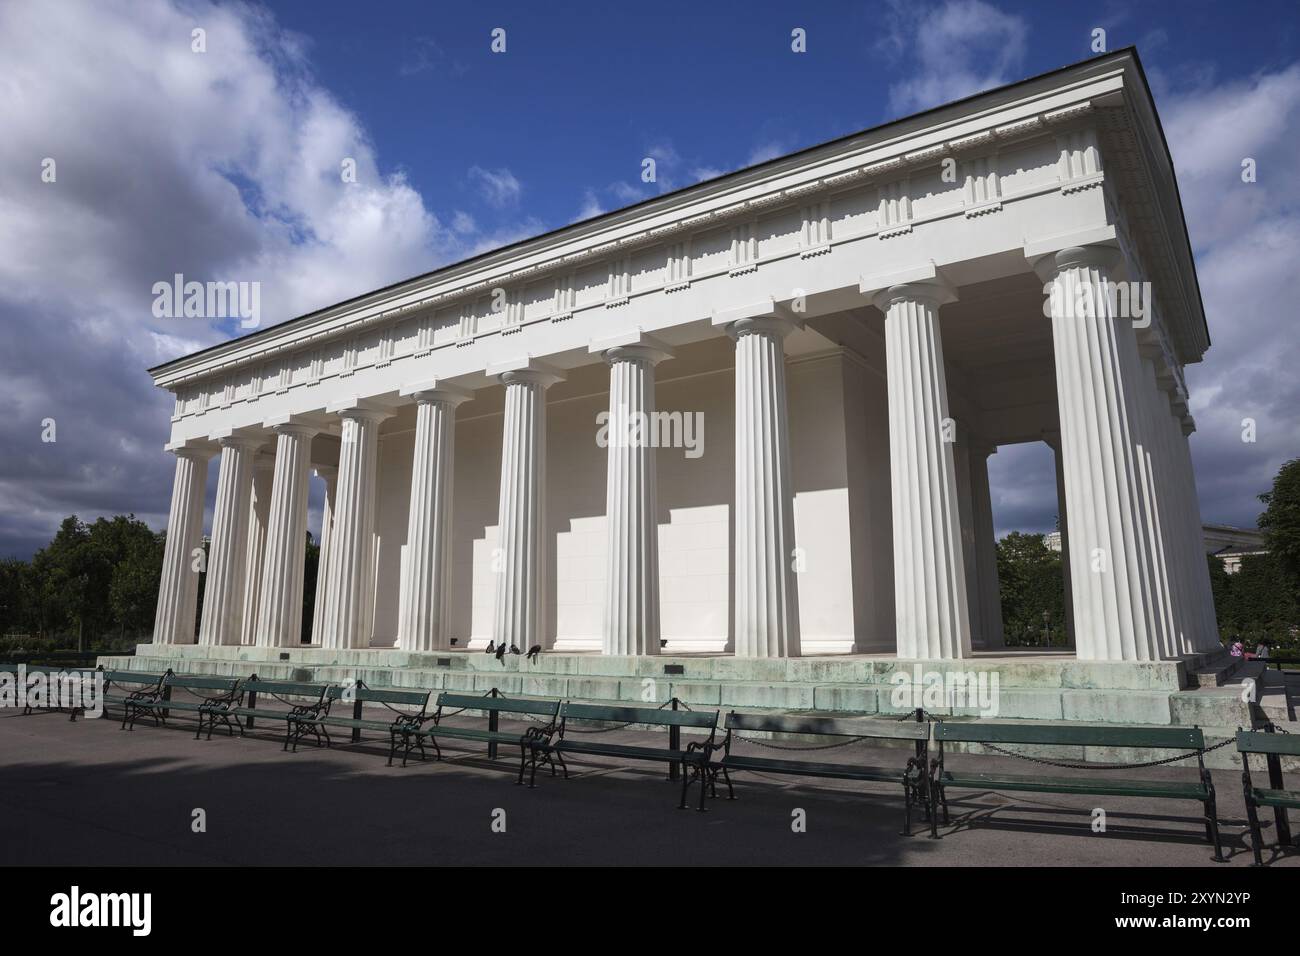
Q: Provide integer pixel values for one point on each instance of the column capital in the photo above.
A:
(923, 283)
(362, 410)
(191, 452)
(1093, 255)
(435, 391)
(764, 316)
(291, 425)
(634, 346)
(232, 438)
(527, 371)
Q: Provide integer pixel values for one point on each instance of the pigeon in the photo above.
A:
(533, 652)
(490, 648)
(501, 653)
(514, 650)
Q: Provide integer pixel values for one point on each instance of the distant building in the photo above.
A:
(1231, 544)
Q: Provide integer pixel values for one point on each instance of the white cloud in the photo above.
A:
(499, 187)
(949, 51)
(218, 165)
(1246, 238)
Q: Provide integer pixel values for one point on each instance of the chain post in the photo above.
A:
(674, 743)
(494, 722)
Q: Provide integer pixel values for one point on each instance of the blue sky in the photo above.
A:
(225, 165)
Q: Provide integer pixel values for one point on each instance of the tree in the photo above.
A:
(1032, 587)
(310, 567)
(1280, 521)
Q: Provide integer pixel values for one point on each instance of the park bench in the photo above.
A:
(544, 712)
(693, 760)
(992, 735)
(912, 775)
(358, 694)
(118, 692)
(1273, 747)
(301, 700)
(51, 672)
(159, 704)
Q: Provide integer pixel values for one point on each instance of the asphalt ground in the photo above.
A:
(86, 793)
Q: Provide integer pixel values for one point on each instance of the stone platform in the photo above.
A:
(1204, 691)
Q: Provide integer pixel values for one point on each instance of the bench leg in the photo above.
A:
(907, 807)
(532, 776)
(523, 762)
(1212, 827)
(726, 778)
(1256, 838)
(686, 783)
(288, 735)
(392, 746)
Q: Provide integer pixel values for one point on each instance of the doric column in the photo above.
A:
(350, 597)
(1112, 573)
(930, 596)
(330, 477)
(426, 575)
(631, 624)
(279, 617)
(521, 525)
(1053, 440)
(985, 546)
(1202, 596)
(766, 613)
(178, 586)
(259, 511)
(223, 591)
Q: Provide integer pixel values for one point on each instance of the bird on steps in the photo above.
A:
(490, 648)
(533, 652)
(514, 650)
(501, 653)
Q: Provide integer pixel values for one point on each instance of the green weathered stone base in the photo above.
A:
(1029, 685)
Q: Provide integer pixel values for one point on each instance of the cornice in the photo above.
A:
(1020, 112)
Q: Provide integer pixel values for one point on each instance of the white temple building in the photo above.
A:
(748, 417)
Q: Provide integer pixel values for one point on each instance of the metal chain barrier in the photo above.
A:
(1102, 766)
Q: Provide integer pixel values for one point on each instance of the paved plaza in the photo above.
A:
(87, 793)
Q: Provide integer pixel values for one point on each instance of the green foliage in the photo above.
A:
(1262, 600)
(1032, 590)
(310, 566)
(1280, 521)
(90, 584)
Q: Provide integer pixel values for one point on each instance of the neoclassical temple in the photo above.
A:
(749, 417)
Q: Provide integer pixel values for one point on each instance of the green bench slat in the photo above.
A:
(284, 688)
(255, 712)
(380, 695)
(1256, 742)
(348, 722)
(569, 745)
(809, 769)
(161, 704)
(1091, 735)
(202, 683)
(1277, 798)
(500, 704)
(829, 726)
(469, 733)
(1085, 785)
(640, 715)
